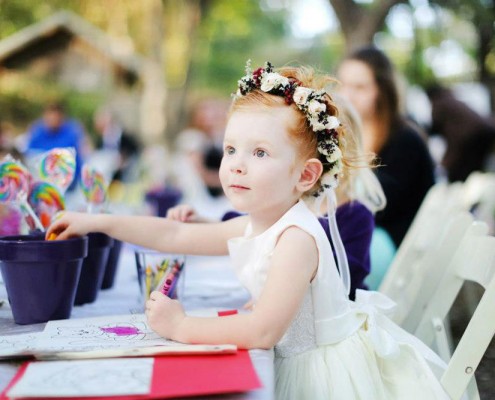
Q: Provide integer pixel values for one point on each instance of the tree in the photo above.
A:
(482, 15)
(360, 22)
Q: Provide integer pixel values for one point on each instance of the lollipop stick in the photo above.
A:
(27, 208)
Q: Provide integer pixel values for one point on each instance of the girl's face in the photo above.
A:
(260, 167)
(359, 87)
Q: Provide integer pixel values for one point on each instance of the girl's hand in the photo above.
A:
(164, 315)
(71, 224)
(182, 213)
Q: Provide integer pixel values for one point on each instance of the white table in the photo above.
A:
(209, 283)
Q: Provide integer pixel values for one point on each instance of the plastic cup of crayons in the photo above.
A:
(160, 271)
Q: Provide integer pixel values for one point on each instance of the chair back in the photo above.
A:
(425, 252)
(473, 260)
(441, 202)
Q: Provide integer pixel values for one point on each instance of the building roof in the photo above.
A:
(57, 31)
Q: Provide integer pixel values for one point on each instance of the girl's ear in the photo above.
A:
(310, 174)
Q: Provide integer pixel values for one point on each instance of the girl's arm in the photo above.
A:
(293, 264)
(156, 233)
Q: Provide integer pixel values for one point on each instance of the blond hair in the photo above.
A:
(360, 183)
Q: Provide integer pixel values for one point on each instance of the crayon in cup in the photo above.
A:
(52, 236)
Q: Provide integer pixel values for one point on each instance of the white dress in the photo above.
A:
(335, 348)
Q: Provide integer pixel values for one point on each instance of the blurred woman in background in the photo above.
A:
(406, 169)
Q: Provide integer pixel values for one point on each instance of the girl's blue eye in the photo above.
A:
(229, 150)
(260, 153)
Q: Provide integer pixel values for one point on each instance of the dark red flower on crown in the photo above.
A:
(257, 75)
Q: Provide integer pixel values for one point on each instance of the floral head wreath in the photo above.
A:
(312, 103)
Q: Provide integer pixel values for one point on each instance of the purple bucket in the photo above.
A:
(112, 264)
(41, 276)
(163, 199)
(93, 268)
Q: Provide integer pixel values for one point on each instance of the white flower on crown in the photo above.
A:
(315, 107)
(328, 179)
(332, 122)
(335, 155)
(273, 80)
(317, 125)
(301, 95)
(326, 147)
(337, 168)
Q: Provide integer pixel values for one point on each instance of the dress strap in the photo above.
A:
(340, 254)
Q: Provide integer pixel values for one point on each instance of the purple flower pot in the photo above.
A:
(112, 264)
(41, 276)
(163, 199)
(93, 268)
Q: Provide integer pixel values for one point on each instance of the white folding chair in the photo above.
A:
(440, 204)
(427, 271)
(426, 250)
(474, 260)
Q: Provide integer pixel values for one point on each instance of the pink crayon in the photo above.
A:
(171, 279)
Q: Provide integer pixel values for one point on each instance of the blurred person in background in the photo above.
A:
(7, 141)
(406, 170)
(54, 130)
(469, 137)
(120, 146)
(199, 150)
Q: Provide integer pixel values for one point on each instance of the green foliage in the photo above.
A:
(17, 14)
(232, 32)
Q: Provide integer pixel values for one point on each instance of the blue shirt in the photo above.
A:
(69, 134)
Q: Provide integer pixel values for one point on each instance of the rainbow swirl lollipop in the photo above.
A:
(14, 179)
(93, 185)
(14, 186)
(46, 200)
(58, 166)
(46, 193)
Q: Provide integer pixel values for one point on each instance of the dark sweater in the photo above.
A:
(406, 174)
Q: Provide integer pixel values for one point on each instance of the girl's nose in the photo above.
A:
(238, 168)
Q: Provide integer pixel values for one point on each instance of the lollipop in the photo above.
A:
(47, 200)
(14, 179)
(14, 185)
(93, 186)
(43, 192)
(58, 166)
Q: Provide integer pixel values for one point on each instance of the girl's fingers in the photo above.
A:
(249, 305)
(186, 213)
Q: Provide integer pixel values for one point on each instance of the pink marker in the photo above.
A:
(227, 312)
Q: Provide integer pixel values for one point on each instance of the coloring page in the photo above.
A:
(81, 334)
(85, 378)
(17, 344)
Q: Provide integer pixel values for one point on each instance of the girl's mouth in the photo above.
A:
(239, 187)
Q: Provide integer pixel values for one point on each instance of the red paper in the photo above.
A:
(188, 376)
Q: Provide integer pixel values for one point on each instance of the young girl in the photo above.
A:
(359, 196)
(283, 141)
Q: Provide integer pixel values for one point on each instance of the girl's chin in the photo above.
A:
(240, 206)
